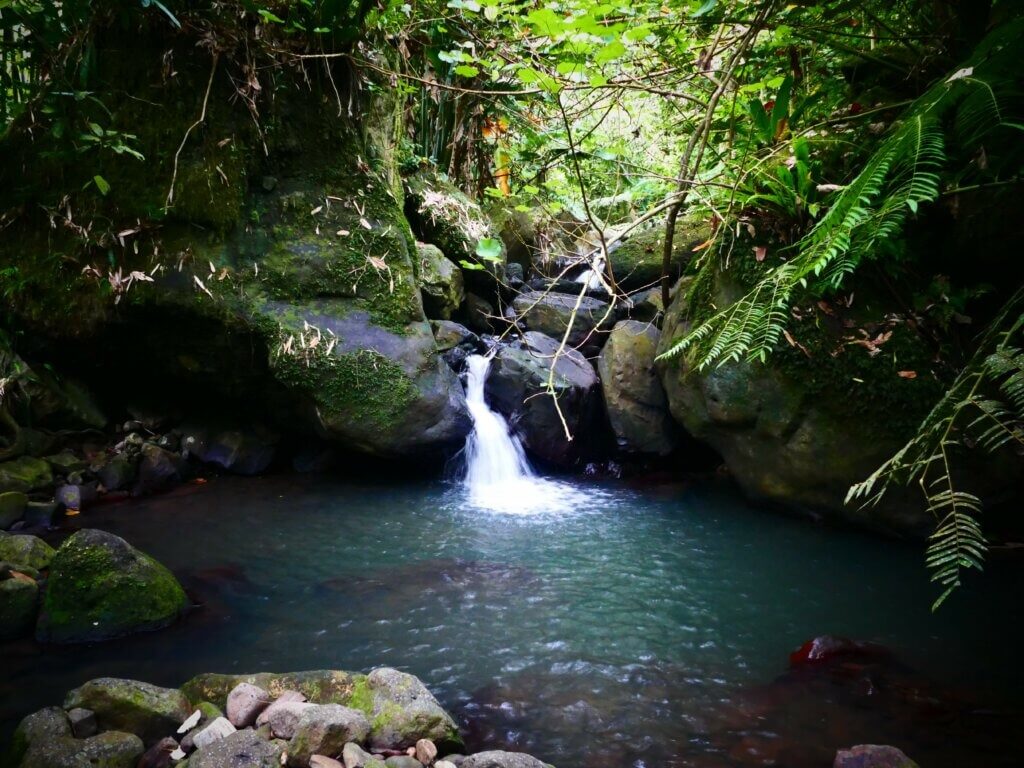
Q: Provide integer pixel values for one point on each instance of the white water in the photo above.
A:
(499, 477)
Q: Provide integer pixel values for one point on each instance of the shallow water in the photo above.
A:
(619, 627)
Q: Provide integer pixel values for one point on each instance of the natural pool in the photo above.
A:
(625, 626)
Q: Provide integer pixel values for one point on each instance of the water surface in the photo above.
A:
(621, 627)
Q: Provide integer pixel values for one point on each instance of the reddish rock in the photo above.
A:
(872, 756)
(825, 648)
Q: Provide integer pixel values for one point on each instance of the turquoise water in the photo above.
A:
(631, 626)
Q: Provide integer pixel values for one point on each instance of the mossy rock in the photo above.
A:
(101, 587)
(18, 598)
(25, 474)
(12, 508)
(22, 549)
(148, 711)
(637, 261)
(400, 708)
(441, 282)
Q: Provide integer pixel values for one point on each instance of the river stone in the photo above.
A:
(516, 386)
(159, 755)
(102, 587)
(41, 514)
(479, 314)
(499, 759)
(448, 334)
(325, 729)
(18, 600)
(633, 395)
(404, 761)
(47, 726)
(440, 282)
(22, 549)
(354, 756)
(284, 698)
(551, 313)
(321, 761)
(404, 712)
(12, 508)
(146, 710)
(25, 474)
(245, 703)
(117, 473)
(242, 749)
(65, 462)
(159, 470)
(113, 749)
(83, 722)
(241, 451)
(872, 756)
(284, 718)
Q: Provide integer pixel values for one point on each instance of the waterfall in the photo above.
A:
(494, 457)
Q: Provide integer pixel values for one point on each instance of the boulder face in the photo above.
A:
(636, 262)
(516, 388)
(101, 587)
(551, 314)
(633, 395)
(441, 282)
(147, 710)
(803, 427)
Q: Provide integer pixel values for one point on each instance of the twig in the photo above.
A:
(184, 140)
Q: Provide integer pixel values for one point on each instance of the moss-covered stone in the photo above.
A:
(18, 598)
(100, 587)
(25, 474)
(637, 261)
(440, 282)
(148, 711)
(22, 549)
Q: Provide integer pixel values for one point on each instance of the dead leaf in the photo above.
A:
(201, 286)
(760, 251)
(907, 374)
(342, 232)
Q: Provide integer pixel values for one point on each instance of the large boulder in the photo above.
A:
(146, 710)
(242, 749)
(517, 387)
(18, 598)
(441, 282)
(25, 474)
(818, 416)
(22, 549)
(637, 261)
(399, 707)
(552, 313)
(101, 587)
(633, 395)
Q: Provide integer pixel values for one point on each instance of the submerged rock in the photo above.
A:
(101, 587)
(242, 451)
(516, 387)
(872, 756)
(440, 282)
(147, 710)
(159, 470)
(633, 395)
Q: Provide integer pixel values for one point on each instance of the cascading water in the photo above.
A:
(499, 477)
(493, 455)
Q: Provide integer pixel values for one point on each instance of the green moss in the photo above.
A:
(362, 696)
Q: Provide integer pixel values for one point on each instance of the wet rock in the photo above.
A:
(499, 759)
(354, 756)
(440, 282)
(159, 755)
(516, 388)
(25, 474)
(159, 470)
(425, 751)
(113, 749)
(22, 549)
(646, 306)
(633, 395)
(83, 722)
(404, 711)
(242, 749)
(41, 514)
(245, 703)
(286, 697)
(241, 451)
(872, 756)
(479, 314)
(147, 710)
(12, 508)
(18, 599)
(552, 313)
(828, 648)
(284, 717)
(449, 334)
(117, 472)
(102, 587)
(325, 729)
